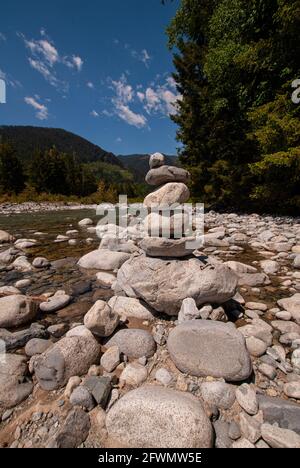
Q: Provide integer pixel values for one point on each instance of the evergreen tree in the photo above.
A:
(11, 171)
(235, 61)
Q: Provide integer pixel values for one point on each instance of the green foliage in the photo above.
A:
(11, 171)
(60, 173)
(26, 140)
(53, 175)
(235, 61)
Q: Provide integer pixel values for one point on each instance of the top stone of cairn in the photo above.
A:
(156, 160)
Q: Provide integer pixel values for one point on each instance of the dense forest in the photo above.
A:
(42, 163)
(27, 139)
(236, 61)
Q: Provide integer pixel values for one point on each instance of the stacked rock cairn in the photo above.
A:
(167, 220)
(168, 270)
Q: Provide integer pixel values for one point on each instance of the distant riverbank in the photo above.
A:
(35, 207)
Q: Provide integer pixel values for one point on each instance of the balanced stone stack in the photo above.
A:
(164, 225)
(168, 272)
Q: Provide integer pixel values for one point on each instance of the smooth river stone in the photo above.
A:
(156, 160)
(103, 260)
(174, 225)
(164, 284)
(206, 348)
(165, 174)
(157, 417)
(162, 247)
(169, 194)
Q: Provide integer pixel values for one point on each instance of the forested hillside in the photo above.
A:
(236, 61)
(28, 139)
(40, 162)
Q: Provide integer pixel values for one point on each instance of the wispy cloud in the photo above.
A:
(132, 104)
(130, 117)
(44, 57)
(124, 96)
(140, 55)
(2, 37)
(94, 114)
(78, 62)
(9, 80)
(90, 85)
(41, 109)
(160, 99)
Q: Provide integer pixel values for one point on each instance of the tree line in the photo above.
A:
(235, 64)
(58, 173)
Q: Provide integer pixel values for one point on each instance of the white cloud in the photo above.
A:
(142, 56)
(119, 140)
(156, 99)
(123, 89)
(44, 49)
(41, 109)
(145, 57)
(107, 113)
(2, 37)
(130, 117)
(124, 96)
(171, 82)
(9, 80)
(162, 99)
(78, 62)
(94, 114)
(152, 100)
(141, 96)
(90, 85)
(44, 56)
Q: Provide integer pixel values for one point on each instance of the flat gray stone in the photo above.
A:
(134, 343)
(165, 174)
(74, 431)
(279, 438)
(100, 388)
(81, 396)
(207, 348)
(13, 385)
(283, 412)
(163, 247)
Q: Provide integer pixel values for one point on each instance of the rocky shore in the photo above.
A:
(35, 207)
(142, 343)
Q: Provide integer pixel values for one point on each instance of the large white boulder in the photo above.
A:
(165, 284)
(157, 417)
(169, 194)
(103, 260)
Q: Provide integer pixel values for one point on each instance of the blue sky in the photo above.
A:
(98, 68)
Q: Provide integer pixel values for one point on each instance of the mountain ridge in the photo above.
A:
(27, 139)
